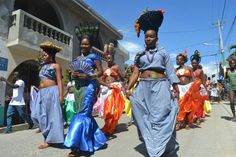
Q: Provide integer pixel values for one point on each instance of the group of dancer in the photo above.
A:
(160, 95)
(87, 75)
(192, 91)
(154, 106)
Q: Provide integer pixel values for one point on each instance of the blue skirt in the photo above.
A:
(84, 133)
(47, 114)
(155, 110)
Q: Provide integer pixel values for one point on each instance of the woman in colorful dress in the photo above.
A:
(199, 76)
(187, 88)
(153, 105)
(84, 133)
(111, 96)
(47, 109)
(231, 74)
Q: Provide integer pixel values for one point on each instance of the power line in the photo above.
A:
(194, 44)
(188, 31)
(125, 31)
(230, 30)
(223, 12)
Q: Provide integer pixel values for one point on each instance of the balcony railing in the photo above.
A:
(28, 31)
(46, 30)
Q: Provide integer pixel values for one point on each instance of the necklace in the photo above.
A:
(148, 54)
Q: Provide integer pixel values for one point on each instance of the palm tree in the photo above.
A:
(232, 47)
(233, 54)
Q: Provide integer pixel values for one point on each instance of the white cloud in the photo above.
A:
(173, 55)
(210, 68)
(132, 48)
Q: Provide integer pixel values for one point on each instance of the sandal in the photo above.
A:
(72, 154)
(187, 127)
(75, 152)
(234, 119)
(43, 146)
(198, 122)
(37, 131)
(177, 127)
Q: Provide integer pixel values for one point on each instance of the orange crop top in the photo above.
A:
(111, 72)
(197, 73)
(183, 72)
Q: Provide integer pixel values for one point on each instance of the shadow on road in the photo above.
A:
(141, 149)
(226, 118)
(121, 128)
(58, 145)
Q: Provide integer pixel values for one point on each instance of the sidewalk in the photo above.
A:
(17, 127)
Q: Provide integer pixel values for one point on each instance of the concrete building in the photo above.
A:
(24, 24)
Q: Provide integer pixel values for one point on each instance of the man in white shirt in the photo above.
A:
(17, 102)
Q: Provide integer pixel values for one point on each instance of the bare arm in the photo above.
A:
(203, 78)
(100, 76)
(35, 88)
(133, 78)
(99, 69)
(191, 70)
(120, 74)
(66, 92)
(59, 80)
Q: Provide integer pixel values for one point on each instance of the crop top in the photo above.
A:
(111, 72)
(197, 73)
(156, 59)
(47, 72)
(183, 72)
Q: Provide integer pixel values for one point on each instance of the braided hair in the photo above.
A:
(196, 56)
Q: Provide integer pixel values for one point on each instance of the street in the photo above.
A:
(216, 137)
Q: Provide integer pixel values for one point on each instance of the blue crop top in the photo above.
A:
(47, 72)
(156, 59)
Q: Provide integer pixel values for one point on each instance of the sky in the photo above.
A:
(187, 24)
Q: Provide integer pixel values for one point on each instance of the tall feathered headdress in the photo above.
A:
(149, 20)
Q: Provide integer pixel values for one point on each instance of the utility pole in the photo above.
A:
(221, 43)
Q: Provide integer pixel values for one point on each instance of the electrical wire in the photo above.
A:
(223, 12)
(194, 44)
(188, 31)
(230, 30)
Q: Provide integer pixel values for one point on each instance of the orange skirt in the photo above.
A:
(113, 108)
(189, 103)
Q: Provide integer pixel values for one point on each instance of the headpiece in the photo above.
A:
(184, 55)
(88, 29)
(48, 46)
(149, 20)
(196, 56)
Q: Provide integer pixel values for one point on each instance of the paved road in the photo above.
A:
(215, 138)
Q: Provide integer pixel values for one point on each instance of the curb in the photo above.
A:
(17, 127)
